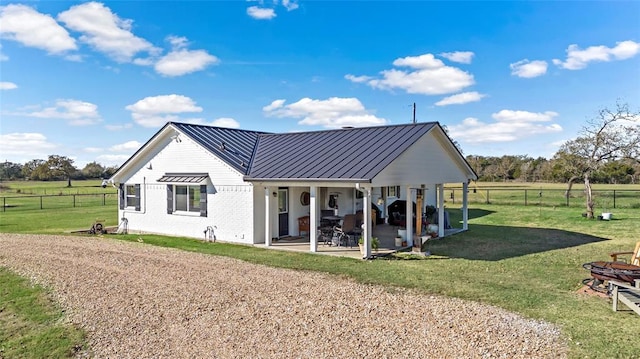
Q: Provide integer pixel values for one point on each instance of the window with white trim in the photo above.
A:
(129, 196)
(187, 198)
(393, 191)
(132, 196)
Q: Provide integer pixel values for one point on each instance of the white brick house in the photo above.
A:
(246, 186)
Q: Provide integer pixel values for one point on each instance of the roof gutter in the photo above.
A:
(309, 180)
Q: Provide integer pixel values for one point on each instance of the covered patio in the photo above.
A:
(356, 171)
(385, 233)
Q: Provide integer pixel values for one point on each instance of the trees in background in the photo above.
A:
(60, 167)
(55, 168)
(611, 136)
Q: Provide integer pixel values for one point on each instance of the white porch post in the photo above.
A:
(465, 207)
(313, 219)
(366, 221)
(267, 216)
(440, 209)
(409, 216)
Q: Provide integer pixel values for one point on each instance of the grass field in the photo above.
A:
(527, 259)
(31, 326)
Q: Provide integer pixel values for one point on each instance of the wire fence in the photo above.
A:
(606, 199)
(26, 203)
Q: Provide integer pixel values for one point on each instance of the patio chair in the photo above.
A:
(350, 227)
(635, 256)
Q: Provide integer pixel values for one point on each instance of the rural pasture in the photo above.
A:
(526, 259)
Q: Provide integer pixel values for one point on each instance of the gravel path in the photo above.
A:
(141, 301)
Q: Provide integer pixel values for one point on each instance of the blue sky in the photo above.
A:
(95, 80)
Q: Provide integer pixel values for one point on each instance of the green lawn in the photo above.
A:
(524, 259)
(31, 326)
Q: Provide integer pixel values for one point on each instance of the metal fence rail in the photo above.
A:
(606, 199)
(23, 203)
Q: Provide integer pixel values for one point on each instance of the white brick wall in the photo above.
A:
(229, 199)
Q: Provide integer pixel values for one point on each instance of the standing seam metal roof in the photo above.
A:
(345, 154)
(235, 147)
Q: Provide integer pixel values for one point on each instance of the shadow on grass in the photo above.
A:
(492, 243)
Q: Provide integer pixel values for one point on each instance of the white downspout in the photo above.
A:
(440, 210)
(465, 207)
(366, 219)
(409, 215)
(313, 219)
(267, 216)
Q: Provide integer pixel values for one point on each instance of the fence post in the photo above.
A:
(525, 197)
(4, 204)
(74, 201)
(104, 201)
(614, 199)
(567, 198)
(40, 202)
(487, 196)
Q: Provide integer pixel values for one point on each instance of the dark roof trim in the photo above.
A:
(343, 180)
(183, 177)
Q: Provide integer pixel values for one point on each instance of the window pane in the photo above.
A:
(131, 199)
(194, 199)
(181, 198)
(283, 201)
(131, 190)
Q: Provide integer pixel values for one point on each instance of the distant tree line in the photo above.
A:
(510, 168)
(54, 168)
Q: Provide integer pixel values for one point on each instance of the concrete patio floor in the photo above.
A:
(385, 233)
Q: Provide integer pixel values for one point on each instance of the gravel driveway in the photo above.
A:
(140, 301)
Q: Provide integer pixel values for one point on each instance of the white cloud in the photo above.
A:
(509, 126)
(3, 57)
(76, 112)
(220, 122)
(276, 104)
(463, 57)
(357, 79)
(129, 146)
(461, 98)
(4, 85)
(26, 144)
(225, 122)
(523, 116)
(111, 160)
(105, 31)
(425, 61)
(27, 26)
(578, 59)
(118, 127)
(528, 69)
(181, 61)
(155, 111)
(260, 13)
(290, 5)
(93, 149)
(429, 76)
(334, 112)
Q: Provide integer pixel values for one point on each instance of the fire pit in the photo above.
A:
(602, 272)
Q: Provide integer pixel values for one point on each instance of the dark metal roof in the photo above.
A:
(233, 146)
(183, 177)
(354, 154)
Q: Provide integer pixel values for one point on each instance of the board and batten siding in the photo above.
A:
(425, 162)
(230, 200)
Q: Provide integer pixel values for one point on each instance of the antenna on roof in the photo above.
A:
(414, 112)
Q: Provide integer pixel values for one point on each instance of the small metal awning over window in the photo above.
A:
(183, 178)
